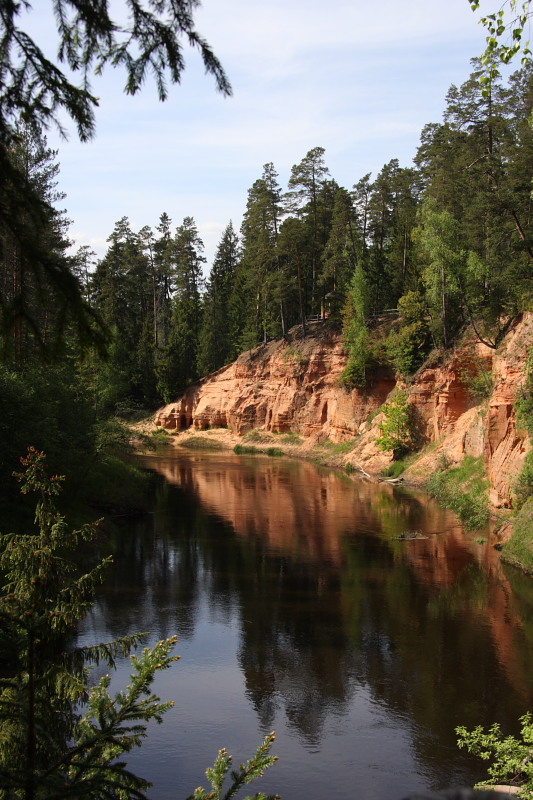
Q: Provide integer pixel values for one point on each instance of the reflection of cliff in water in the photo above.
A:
(298, 509)
(330, 601)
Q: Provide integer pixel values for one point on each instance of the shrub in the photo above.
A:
(200, 443)
(524, 404)
(243, 449)
(357, 340)
(396, 431)
(511, 761)
(394, 470)
(405, 348)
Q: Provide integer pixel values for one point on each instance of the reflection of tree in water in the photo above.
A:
(295, 655)
(427, 632)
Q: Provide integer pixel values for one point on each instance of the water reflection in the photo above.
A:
(362, 649)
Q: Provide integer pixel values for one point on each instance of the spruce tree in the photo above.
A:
(178, 366)
(343, 248)
(216, 346)
(259, 267)
(40, 296)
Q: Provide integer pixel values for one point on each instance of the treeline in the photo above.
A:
(447, 242)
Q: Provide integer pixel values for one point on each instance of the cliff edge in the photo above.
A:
(294, 385)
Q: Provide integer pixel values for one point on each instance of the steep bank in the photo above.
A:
(294, 387)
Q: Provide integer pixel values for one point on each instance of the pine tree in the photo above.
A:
(305, 183)
(356, 332)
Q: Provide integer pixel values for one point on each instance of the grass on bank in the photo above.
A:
(251, 450)
(463, 489)
(519, 549)
(200, 443)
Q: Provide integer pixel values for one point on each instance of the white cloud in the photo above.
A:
(358, 78)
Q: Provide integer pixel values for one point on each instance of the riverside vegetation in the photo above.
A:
(86, 343)
(62, 735)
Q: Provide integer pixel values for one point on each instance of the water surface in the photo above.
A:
(302, 608)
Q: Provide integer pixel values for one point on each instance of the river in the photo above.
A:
(359, 621)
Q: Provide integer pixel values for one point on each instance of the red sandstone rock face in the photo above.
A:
(296, 387)
(281, 387)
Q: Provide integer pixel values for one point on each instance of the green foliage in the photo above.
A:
(216, 345)
(200, 443)
(395, 469)
(510, 758)
(110, 482)
(42, 307)
(248, 772)
(294, 354)
(88, 39)
(243, 449)
(405, 347)
(356, 331)
(396, 431)
(256, 436)
(477, 379)
(464, 490)
(354, 374)
(412, 307)
(274, 452)
(251, 450)
(143, 38)
(45, 406)
(524, 404)
(524, 482)
(47, 747)
(291, 438)
(519, 549)
(502, 50)
(438, 237)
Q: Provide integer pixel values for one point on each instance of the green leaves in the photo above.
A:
(511, 761)
(498, 25)
(396, 430)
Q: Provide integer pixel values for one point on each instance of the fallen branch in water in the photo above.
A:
(377, 478)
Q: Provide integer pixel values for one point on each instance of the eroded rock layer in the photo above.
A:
(295, 386)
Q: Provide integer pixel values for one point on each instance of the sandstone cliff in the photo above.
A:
(295, 386)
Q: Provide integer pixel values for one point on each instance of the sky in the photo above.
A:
(356, 77)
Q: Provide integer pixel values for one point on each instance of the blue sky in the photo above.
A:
(357, 78)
